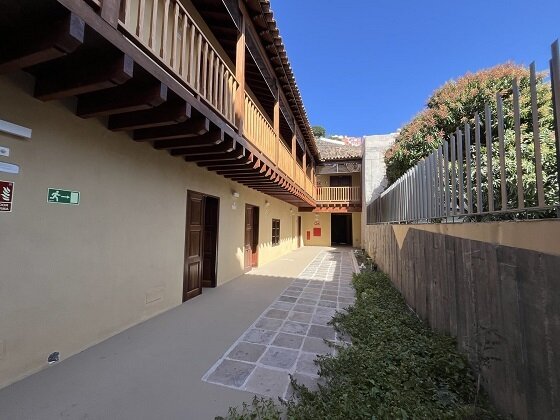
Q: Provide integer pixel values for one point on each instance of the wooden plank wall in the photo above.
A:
(461, 286)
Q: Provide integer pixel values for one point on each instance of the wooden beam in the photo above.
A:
(39, 45)
(77, 78)
(194, 127)
(220, 149)
(213, 137)
(166, 114)
(127, 98)
(223, 163)
(236, 155)
(110, 12)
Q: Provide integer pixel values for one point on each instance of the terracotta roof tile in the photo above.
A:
(332, 151)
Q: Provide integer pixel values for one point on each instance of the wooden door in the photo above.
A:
(194, 246)
(251, 236)
(299, 231)
(209, 264)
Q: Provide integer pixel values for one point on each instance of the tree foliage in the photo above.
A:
(456, 103)
(318, 131)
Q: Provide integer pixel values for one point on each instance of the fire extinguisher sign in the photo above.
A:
(6, 196)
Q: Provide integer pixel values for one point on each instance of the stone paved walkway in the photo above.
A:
(291, 332)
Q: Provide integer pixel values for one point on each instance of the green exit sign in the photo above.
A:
(58, 196)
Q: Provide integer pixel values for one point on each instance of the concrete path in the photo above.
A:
(154, 370)
(287, 337)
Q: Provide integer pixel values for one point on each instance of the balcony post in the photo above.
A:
(240, 76)
(110, 10)
(304, 167)
(276, 123)
(294, 142)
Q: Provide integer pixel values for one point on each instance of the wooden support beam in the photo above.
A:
(110, 12)
(194, 127)
(127, 98)
(235, 156)
(76, 78)
(223, 163)
(220, 149)
(39, 45)
(166, 114)
(213, 137)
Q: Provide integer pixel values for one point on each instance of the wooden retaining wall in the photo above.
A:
(464, 286)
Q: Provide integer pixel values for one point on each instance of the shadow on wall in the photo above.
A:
(486, 292)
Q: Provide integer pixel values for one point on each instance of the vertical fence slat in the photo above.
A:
(460, 176)
(477, 159)
(501, 138)
(428, 177)
(489, 168)
(446, 176)
(517, 128)
(441, 184)
(555, 83)
(453, 177)
(468, 167)
(536, 136)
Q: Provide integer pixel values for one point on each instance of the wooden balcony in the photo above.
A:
(339, 199)
(148, 68)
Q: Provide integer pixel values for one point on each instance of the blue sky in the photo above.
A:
(368, 66)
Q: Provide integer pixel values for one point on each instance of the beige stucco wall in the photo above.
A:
(323, 220)
(71, 276)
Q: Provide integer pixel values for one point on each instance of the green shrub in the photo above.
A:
(396, 367)
(456, 103)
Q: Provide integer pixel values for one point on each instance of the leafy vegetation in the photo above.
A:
(396, 368)
(318, 131)
(456, 103)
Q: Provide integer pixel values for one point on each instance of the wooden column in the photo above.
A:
(294, 163)
(276, 124)
(304, 167)
(110, 10)
(240, 76)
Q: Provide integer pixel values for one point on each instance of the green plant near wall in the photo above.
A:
(457, 102)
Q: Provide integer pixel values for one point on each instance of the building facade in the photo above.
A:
(149, 149)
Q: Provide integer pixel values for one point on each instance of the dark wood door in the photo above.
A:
(251, 236)
(299, 231)
(194, 246)
(209, 267)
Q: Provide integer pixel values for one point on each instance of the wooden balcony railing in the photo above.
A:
(285, 160)
(258, 129)
(299, 176)
(165, 28)
(310, 187)
(339, 194)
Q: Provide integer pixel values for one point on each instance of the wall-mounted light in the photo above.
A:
(291, 211)
(267, 203)
(234, 197)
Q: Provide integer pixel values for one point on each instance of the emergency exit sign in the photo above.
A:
(58, 196)
(6, 196)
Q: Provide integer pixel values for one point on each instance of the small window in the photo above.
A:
(275, 232)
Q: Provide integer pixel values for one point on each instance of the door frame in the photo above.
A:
(255, 243)
(215, 281)
(187, 241)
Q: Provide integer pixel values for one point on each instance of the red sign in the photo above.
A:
(6, 196)
(317, 231)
